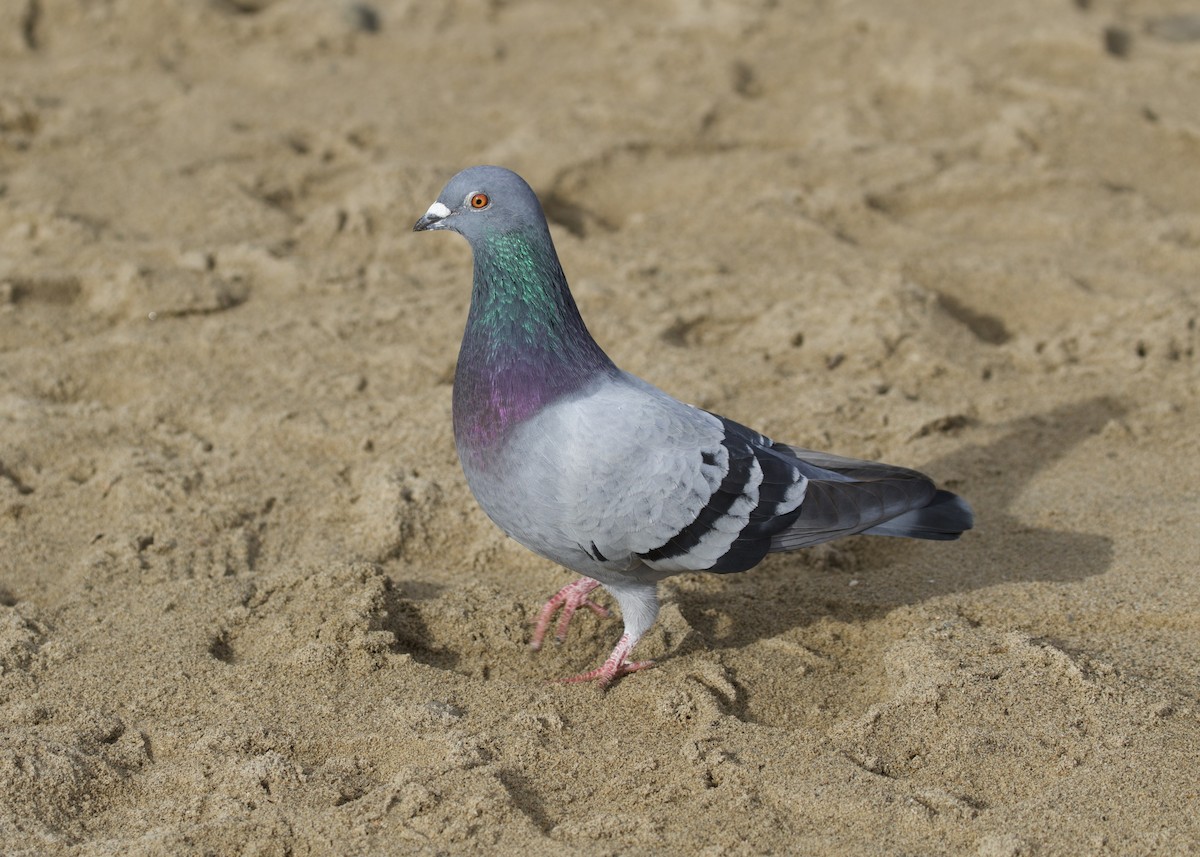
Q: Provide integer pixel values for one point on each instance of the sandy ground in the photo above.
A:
(247, 604)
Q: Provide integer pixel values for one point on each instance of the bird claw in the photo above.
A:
(607, 673)
(570, 598)
(612, 669)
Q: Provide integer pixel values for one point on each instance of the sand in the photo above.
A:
(247, 603)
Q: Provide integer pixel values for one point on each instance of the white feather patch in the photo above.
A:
(794, 495)
(725, 530)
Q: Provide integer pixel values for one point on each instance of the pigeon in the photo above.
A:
(609, 476)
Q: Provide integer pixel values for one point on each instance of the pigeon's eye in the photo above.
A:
(479, 200)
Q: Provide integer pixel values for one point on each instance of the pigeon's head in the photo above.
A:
(484, 200)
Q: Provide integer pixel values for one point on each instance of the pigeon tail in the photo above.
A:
(847, 496)
(944, 519)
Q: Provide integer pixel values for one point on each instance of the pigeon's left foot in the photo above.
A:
(612, 669)
(570, 598)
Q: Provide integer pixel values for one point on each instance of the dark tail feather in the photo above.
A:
(944, 519)
(846, 496)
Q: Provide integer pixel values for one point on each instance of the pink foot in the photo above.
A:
(612, 669)
(570, 598)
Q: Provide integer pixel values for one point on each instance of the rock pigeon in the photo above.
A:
(609, 476)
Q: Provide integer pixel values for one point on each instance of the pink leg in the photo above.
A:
(615, 667)
(570, 598)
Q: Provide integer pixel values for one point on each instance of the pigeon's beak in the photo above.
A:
(433, 218)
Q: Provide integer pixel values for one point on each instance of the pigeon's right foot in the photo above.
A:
(570, 598)
(617, 665)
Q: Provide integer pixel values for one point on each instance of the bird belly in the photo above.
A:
(511, 490)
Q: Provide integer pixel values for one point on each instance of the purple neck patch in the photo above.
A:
(525, 344)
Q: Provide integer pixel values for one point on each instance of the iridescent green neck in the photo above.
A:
(525, 344)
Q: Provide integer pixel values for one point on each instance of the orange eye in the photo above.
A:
(479, 200)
